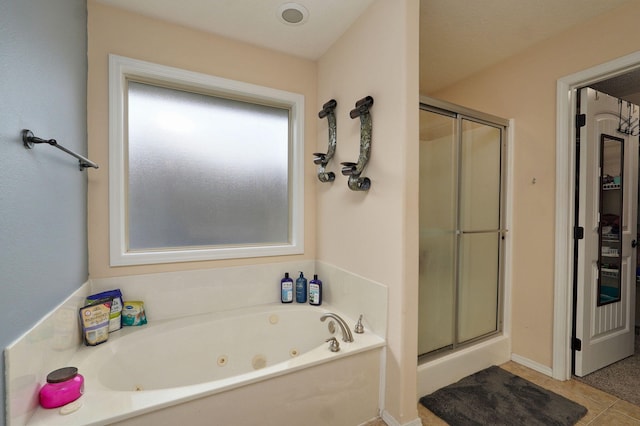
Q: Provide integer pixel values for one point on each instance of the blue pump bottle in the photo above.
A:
(301, 289)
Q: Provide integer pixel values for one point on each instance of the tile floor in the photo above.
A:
(603, 408)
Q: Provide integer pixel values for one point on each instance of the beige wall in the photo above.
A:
(524, 88)
(375, 233)
(112, 30)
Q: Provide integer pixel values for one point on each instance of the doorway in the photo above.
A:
(565, 208)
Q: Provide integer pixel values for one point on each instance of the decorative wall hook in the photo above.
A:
(328, 110)
(28, 139)
(353, 170)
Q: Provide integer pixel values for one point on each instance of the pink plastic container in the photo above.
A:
(63, 386)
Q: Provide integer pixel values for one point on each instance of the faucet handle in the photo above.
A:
(334, 345)
(359, 328)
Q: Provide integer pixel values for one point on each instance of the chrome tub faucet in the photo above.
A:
(346, 333)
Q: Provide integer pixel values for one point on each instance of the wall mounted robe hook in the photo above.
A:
(353, 170)
(328, 110)
(28, 139)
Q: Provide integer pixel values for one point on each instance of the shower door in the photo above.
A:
(461, 229)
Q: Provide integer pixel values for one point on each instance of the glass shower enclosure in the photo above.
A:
(461, 227)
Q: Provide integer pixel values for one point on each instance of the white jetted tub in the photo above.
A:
(261, 365)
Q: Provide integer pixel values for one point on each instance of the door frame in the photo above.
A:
(565, 209)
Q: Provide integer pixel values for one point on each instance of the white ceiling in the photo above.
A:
(457, 37)
(257, 21)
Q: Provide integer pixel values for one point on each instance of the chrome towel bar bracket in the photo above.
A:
(28, 139)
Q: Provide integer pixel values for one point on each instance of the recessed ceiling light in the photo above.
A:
(293, 14)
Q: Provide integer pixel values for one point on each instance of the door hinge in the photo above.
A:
(581, 120)
(576, 344)
(578, 233)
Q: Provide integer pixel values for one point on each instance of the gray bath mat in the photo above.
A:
(496, 397)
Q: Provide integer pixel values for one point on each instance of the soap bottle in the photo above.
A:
(315, 291)
(301, 289)
(286, 289)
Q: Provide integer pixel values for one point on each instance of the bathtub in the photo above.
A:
(263, 365)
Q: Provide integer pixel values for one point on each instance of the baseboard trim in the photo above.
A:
(391, 421)
(548, 371)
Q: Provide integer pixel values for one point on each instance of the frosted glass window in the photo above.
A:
(201, 167)
(205, 170)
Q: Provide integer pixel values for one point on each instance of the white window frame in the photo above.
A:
(120, 70)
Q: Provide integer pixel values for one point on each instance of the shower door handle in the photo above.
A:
(634, 244)
(502, 232)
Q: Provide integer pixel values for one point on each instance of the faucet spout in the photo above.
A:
(346, 332)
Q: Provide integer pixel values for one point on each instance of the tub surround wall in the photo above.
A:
(47, 346)
(185, 293)
(354, 295)
(182, 293)
(178, 294)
